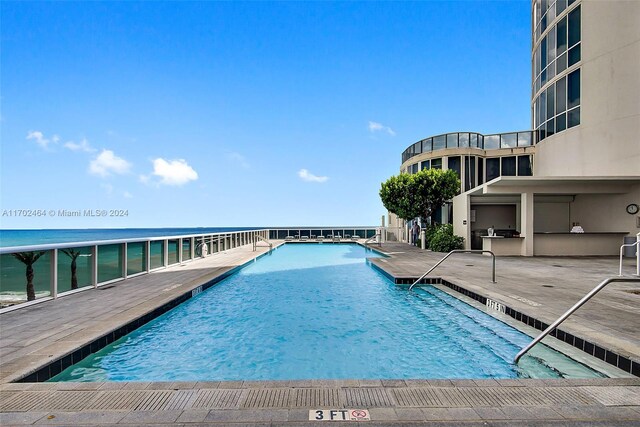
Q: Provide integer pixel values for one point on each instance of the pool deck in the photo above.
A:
(543, 288)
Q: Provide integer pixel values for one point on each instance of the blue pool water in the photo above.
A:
(311, 311)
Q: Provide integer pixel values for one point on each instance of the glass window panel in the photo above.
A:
(414, 168)
(427, 145)
(13, 280)
(537, 112)
(452, 140)
(573, 89)
(543, 77)
(573, 117)
(561, 122)
(574, 55)
(439, 142)
(561, 63)
(551, 70)
(425, 164)
(156, 254)
(109, 262)
(469, 172)
(543, 107)
(574, 27)
(463, 140)
(174, 247)
(136, 257)
(543, 53)
(551, 14)
(561, 5)
(453, 163)
(480, 171)
(561, 36)
(509, 140)
(524, 166)
(570, 2)
(543, 24)
(550, 127)
(524, 139)
(550, 101)
(493, 168)
(417, 147)
(75, 266)
(480, 141)
(436, 163)
(561, 95)
(551, 45)
(509, 166)
(186, 249)
(491, 142)
(474, 140)
(537, 61)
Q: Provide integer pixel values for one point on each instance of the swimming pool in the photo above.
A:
(320, 311)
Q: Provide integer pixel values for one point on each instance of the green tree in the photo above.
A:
(73, 254)
(418, 195)
(28, 259)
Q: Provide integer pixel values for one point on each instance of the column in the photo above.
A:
(526, 223)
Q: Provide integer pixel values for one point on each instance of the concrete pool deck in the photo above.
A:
(34, 336)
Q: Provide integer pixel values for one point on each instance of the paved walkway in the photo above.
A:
(33, 336)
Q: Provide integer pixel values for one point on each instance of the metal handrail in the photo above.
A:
(373, 237)
(628, 245)
(457, 251)
(569, 312)
(260, 238)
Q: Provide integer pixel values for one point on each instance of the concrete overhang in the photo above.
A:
(557, 185)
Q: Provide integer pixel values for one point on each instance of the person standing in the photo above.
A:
(415, 230)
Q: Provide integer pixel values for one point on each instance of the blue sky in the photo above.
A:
(242, 114)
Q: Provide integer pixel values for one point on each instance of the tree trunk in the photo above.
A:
(31, 293)
(74, 276)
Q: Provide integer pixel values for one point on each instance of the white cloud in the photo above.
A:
(107, 163)
(239, 159)
(127, 195)
(305, 175)
(173, 172)
(82, 146)
(379, 127)
(40, 139)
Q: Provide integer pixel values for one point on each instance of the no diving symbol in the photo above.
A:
(359, 414)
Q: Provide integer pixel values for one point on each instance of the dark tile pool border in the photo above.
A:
(55, 367)
(582, 344)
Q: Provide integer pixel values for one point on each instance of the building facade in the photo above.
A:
(579, 168)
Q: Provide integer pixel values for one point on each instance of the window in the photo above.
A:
(561, 122)
(427, 145)
(524, 166)
(469, 172)
(561, 36)
(414, 168)
(491, 142)
(480, 171)
(508, 140)
(574, 55)
(436, 163)
(573, 117)
(474, 140)
(425, 164)
(573, 89)
(509, 166)
(574, 26)
(453, 163)
(561, 95)
(550, 101)
(439, 142)
(524, 139)
(493, 168)
(464, 140)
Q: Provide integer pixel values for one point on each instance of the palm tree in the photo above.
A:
(73, 254)
(28, 259)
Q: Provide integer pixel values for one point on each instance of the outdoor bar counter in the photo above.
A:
(579, 244)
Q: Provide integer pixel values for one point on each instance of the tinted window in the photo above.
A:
(524, 166)
(561, 95)
(452, 140)
(425, 164)
(561, 36)
(550, 101)
(574, 26)
(439, 142)
(480, 171)
(573, 117)
(509, 166)
(453, 163)
(436, 163)
(574, 55)
(493, 168)
(573, 89)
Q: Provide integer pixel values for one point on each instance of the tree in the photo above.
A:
(418, 195)
(73, 254)
(28, 259)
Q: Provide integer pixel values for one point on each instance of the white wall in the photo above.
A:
(606, 212)
(496, 216)
(551, 217)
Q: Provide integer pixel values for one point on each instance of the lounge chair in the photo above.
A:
(320, 237)
(288, 238)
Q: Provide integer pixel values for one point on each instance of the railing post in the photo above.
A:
(148, 253)
(53, 267)
(180, 251)
(125, 258)
(165, 253)
(94, 269)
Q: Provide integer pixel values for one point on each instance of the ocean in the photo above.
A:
(38, 237)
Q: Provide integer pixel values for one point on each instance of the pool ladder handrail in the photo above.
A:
(628, 245)
(373, 237)
(458, 251)
(569, 312)
(260, 238)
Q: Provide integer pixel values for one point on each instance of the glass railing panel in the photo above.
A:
(491, 142)
(186, 249)
(370, 233)
(174, 251)
(525, 139)
(463, 140)
(508, 140)
(75, 268)
(427, 145)
(136, 257)
(282, 234)
(473, 140)
(439, 142)
(109, 262)
(156, 254)
(360, 233)
(452, 140)
(17, 285)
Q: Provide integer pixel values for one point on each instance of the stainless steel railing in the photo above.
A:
(455, 251)
(569, 312)
(628, 245)
(261, 239)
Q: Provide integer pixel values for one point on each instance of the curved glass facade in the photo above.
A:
(556, 80)
(469, 140)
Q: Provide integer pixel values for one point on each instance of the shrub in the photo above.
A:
(443, 239)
